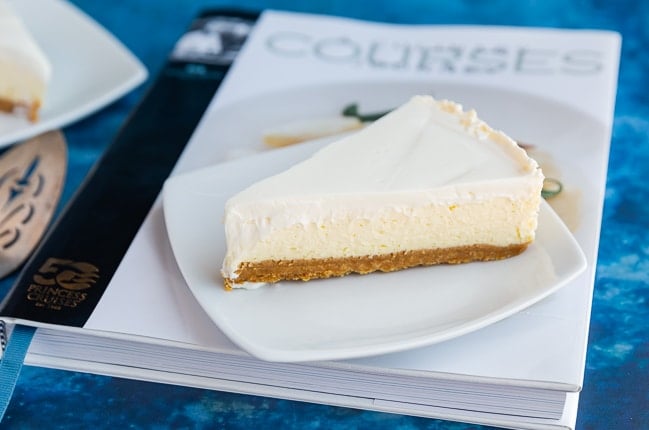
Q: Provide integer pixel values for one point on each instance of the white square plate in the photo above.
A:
(353, 316)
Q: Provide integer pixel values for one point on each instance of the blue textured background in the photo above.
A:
(616, 392)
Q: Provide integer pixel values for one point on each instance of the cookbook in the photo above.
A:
(127, 281)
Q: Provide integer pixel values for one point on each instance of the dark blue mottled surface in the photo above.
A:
(616, 392)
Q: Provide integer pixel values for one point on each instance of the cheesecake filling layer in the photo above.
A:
(428, 176)
(366, 231)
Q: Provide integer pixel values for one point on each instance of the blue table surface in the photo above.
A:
(616, 390)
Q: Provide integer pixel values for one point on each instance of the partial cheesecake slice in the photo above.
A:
(24, 68)
(426, 184)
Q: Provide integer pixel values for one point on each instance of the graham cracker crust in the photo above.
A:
(270, 271)
(31, 110)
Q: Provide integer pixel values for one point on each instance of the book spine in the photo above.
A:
(67, 275)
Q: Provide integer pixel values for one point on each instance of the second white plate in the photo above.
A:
(353, 316)
(90, 68)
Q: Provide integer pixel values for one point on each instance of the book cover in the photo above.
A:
(553, 90)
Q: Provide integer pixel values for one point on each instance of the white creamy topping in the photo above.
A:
(20, 58)
(423, 157)
(422, 145)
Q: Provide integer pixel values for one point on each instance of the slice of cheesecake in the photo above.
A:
(426, 184)
(24, 68)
